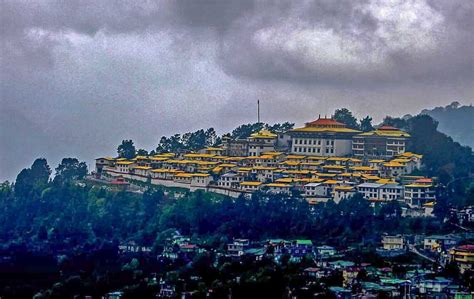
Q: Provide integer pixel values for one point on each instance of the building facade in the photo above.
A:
(385, 142)
(322, 137)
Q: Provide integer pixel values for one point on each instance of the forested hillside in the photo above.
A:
(456, 121)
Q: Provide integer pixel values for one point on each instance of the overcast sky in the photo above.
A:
(77, 77)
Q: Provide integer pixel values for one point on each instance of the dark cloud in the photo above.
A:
(78, 76)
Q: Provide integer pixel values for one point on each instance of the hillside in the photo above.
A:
(455, 121)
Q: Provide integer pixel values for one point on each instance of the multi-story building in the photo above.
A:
(322, 137)
(389, 191)
(396, 242)
(418, 194)
(260, 142)
(385, 142)
(234, 148)
(463, 256)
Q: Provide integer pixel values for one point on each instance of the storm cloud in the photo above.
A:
(77, 77)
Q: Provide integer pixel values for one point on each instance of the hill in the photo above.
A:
(455, 121)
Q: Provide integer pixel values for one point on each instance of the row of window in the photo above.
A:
(312, 142)
(312, 150)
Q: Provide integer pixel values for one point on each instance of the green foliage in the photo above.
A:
(32, 179)
(440, 152)
(366, 124)
(70, 169)
(191, 141)
(142, 152)
(395, 122)
(126, 149)
(345, 116)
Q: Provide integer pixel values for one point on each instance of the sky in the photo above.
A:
(78, 77)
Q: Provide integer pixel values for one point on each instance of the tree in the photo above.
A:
(366, 124)
(280, 128)
(395, 122)
(35, 177)
(345, 116)
(70, 169)
(142, 152)
(126, 149)
(244, 131)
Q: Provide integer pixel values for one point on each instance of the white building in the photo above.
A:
(322, 137)
(260, 142)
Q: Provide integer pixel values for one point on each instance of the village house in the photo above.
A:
(396, 242)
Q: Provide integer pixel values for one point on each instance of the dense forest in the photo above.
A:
(456, 121)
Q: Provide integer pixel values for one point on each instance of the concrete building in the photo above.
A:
(322, 137)
(396, 242)
(260, 142)
(385, 142)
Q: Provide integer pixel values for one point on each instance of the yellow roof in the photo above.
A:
(266, 157)
(330, 182)
(295, 157)
(250, 183)
(290, 163)
(263, 168)
(227, 165)
(376, 161)
(344, 188)
(362, 168)
(159, 158)
(311, 163)
(325, 129)
(410, 154)
(263, 134)
(278, 185)
(385, 181)
(142, 167)
(334, 167)
(386, 133)
(121, 159)
(244, 169)
(429, 204)
(197, 155)
(125, 162)
(205, 163)
(325, 174)
(184, 175)
(237, 159)
(165, 170)
(217, 169)
(393, 164)
(272, 153)
(285, 180)
(370, 177)
(338, 159)
(164, 155)
(210, 148)
(219, 157)
(418, 186)
(317, 158)
(197, 174)
(296, 171)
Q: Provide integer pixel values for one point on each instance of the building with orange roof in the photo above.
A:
(322, 137)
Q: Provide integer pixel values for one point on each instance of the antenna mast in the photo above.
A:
(258, 111)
